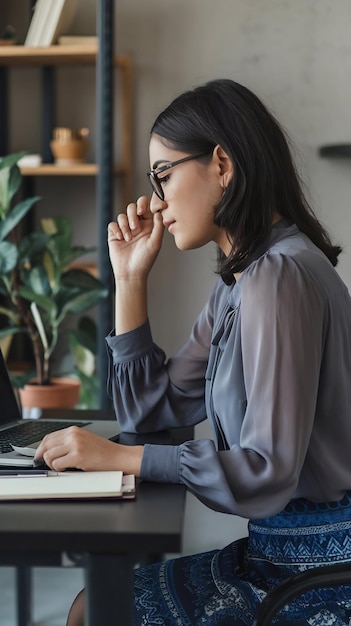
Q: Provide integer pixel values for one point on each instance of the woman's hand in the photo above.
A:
(74, 447)
(134, 241)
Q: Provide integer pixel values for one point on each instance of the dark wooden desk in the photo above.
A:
(106, 538)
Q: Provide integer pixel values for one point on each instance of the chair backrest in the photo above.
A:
(314, 578)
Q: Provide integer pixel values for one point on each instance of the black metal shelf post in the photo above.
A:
(104, 192)
(48, 110)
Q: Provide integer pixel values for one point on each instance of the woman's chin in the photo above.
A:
(182, 244)
(186, 244)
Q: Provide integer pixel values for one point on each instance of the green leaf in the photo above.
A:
(4, 192)
(14, 181)
(11, 330)
(10, 179)
(84, 301)
(86, 334)
(60, 244)
(3, 289)
(84, 359)
(11, 159)
(16, 215)
(12, 315)
(32, 246)
(76, 252)
(89, 391)
(50, 225)
(53, 276)
(8, 257)
(37, 280)
(42, 301)
(81, 279)
(40, 326)
(60, 228)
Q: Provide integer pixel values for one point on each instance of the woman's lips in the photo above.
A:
(168, 224)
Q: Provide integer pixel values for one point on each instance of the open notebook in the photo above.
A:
(67, 485)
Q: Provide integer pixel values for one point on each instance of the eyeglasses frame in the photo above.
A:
(155, 182)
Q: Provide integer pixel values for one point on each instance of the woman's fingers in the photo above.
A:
(129, 224)
(157, 231)
(124, 225)
(76, 448)
(143, 207)
(59, 458)
(58, 444)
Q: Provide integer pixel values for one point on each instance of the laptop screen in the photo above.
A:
(9, 410)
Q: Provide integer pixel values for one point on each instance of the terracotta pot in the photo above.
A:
(63, 393)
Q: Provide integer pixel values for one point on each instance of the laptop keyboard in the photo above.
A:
(31, 431)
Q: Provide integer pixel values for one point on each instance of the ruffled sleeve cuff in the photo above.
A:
(160, 463)
(130, 345)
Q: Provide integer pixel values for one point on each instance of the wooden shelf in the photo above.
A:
(339, 151)
(53, 55)
(83, 169)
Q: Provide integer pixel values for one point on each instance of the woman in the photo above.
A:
(268, 363)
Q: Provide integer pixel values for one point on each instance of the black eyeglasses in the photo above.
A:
(156, 182)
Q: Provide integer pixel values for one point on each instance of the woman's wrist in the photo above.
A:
(129, 459)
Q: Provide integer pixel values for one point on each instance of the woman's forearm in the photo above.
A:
(130, 305)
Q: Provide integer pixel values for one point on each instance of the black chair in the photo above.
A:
(317, 577)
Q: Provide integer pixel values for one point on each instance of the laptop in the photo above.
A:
(29, 432)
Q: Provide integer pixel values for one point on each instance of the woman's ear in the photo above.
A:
(225, 165)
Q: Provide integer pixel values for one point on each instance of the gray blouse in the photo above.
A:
(268, 363)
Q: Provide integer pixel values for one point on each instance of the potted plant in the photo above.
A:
(39, 286)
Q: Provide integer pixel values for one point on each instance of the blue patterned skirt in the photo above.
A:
(224, 587)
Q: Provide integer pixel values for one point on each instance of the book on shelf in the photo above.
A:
(59, 20)
(50, 19)
(40, 14)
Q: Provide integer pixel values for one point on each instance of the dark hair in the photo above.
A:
(265, 180)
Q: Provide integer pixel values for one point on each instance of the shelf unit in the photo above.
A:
(46, 59)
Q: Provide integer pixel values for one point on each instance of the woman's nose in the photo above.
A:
(156, 204)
